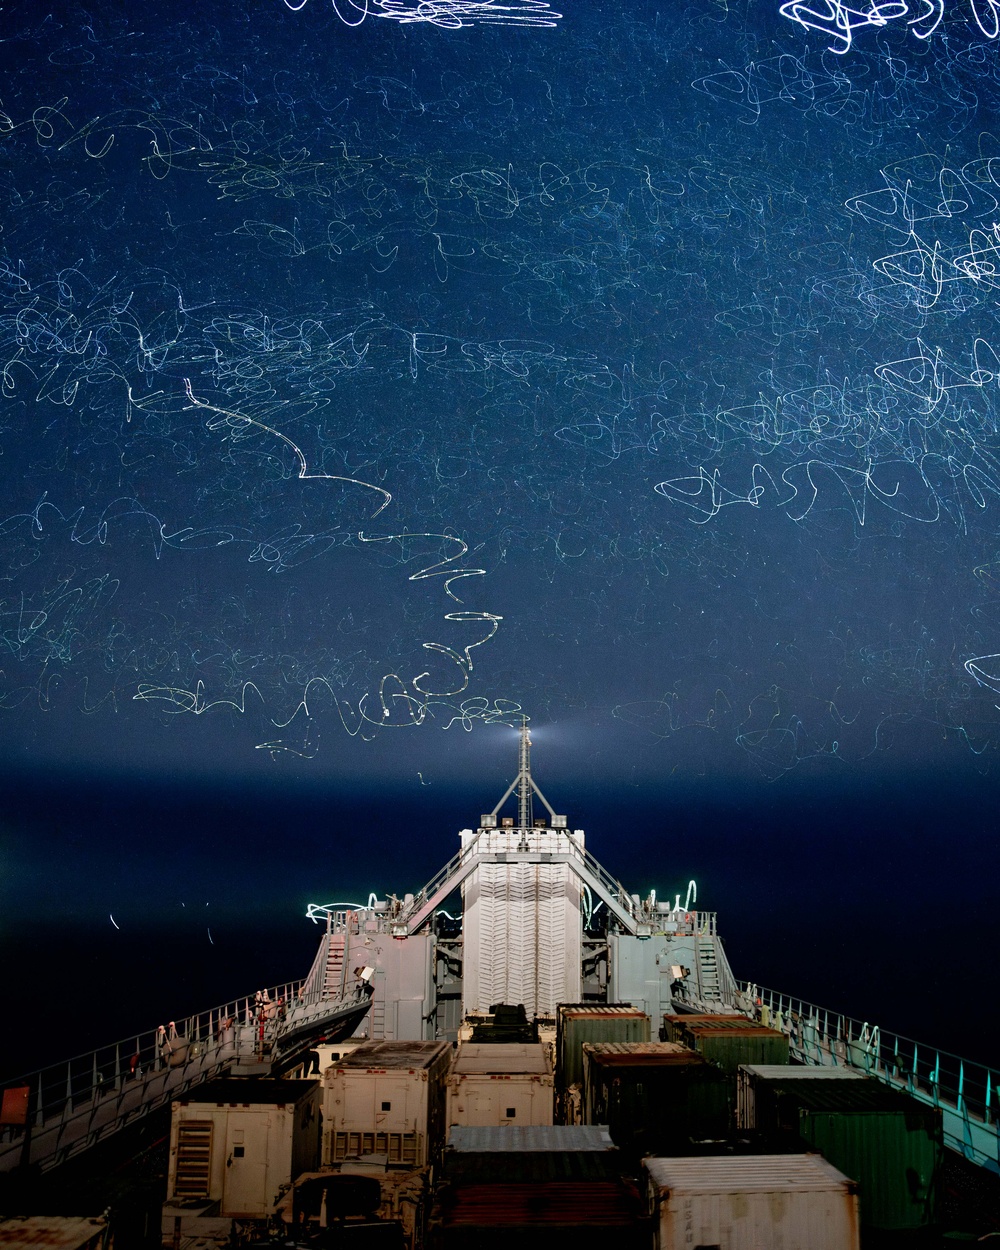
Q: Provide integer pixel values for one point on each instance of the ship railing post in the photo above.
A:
(68, 1100)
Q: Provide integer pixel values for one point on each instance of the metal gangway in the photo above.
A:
(966, 1093)
(71, 1106)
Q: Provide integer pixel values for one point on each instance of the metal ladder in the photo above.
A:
(708, 969)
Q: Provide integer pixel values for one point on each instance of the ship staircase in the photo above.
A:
(709, 981)
(967, 1094)
(67, 1108)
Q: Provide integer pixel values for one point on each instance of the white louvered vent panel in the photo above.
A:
(521, 928)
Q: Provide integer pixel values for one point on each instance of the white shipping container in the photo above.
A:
(750, 1073)
(236, 1142)
(387, 1098)
(783, 1202)
(495, 1085)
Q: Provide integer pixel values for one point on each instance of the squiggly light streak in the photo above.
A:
(446, 14)
(840, 21)
(238, 422)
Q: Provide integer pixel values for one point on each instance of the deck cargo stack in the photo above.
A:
(729, 1045)
(655, 1097)
(797, 1202)
(387, 1098)
(890, 1143)
(234, 1143)
(750, 1074)
(500, 1084)
(557, 1186)
(577, 1023)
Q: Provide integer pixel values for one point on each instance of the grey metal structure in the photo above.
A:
(530, 932)
(405, 963)
(74, 1105)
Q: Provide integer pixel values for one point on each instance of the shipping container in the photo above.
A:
(729, 1045)
(540, 1152)
(797, 1202)
(655, 1097)
(387, 1098)
(577, 1023)
(889, 1142)
(500, 1084)
(235, 1142)
(674, 1023)
(556, 1185)
(749, 1074)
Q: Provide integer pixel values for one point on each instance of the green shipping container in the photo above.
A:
(656, 1098)
(674, 1025)
(882, 1138)
(729, 1047)
(578, 1023)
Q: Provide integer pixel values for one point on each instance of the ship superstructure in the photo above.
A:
(542, 923)
(521, 924)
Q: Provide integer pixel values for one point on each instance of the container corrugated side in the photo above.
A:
(657, 1097)
(798, 1202)
(749, 1074)
(731, 1047)
(576, 1025)
(889, 1142)
(587, 1215)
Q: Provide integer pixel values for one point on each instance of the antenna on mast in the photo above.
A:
(524, 817)
(526, 786)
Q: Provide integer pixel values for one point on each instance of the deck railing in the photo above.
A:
(73, 1104)
(967, 1093)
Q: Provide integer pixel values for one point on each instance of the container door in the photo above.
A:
(245, 1186)
(483, 1108)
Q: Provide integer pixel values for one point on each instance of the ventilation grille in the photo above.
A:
(194, 1159)
(400, 1147)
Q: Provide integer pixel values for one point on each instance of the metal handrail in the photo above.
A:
(966, 1092)
(78, 1101)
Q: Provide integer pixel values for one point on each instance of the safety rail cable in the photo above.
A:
(966, 1092)
(79, 1101)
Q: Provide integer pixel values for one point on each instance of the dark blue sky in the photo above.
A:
(633, 367)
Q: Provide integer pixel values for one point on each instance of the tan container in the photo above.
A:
(797, 1202)
(237, 1142)
(495, 1085)
(387, 1098)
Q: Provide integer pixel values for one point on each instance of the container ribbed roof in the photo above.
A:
(508, 1058)
(799, 1072)
(641, 1054)
(405, 1055)
(543, 1138)
(744, 1174)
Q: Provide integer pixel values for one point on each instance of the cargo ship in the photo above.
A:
(523, 1047)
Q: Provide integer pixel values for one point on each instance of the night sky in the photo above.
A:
(374, 376)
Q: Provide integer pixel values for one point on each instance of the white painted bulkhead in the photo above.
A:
(521, 926)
